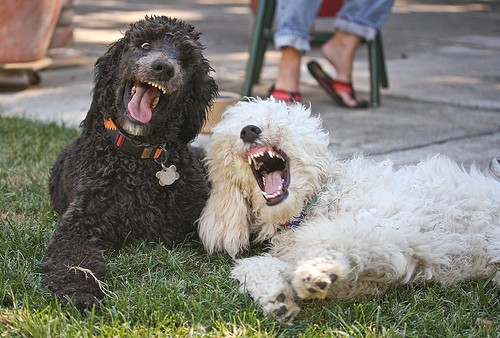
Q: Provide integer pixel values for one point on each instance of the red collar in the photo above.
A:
(131, 146)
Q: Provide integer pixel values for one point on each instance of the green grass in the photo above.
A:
(155, 292)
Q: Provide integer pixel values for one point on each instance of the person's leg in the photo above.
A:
(294, 19)
(289, 70)
(340, 51)
(356, 20)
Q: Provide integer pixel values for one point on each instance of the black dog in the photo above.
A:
(131, 174)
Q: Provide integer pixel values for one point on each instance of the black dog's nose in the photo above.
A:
(250, 133)
(163, 68)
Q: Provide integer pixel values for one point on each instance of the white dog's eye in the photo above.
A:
(146, 46)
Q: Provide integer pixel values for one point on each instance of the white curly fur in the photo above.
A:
(368, 225)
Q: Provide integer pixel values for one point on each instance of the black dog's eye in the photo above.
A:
(146, 46)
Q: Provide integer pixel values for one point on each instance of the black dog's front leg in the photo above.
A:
(74, 265)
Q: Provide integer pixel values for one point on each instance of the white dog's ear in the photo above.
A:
(223, 223)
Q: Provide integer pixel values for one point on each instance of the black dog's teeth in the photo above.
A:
(156, 85)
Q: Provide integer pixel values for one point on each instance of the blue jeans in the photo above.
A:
(294, 19)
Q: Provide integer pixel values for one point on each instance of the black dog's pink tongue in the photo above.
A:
(139, 106)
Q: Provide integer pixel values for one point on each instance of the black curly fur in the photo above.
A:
(107, 197)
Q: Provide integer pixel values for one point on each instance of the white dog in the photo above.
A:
(339, 228)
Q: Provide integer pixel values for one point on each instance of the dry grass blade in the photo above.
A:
(88, 272)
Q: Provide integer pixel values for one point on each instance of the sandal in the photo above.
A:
(334, 87)
(288, 97)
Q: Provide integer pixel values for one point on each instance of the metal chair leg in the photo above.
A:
(382, 68)
(263, 21)
(374, 78)
(378, 69)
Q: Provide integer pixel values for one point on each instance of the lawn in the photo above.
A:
(155, 292)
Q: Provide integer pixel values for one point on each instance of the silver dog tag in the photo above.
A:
(167, 176)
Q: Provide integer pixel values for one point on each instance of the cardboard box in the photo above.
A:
(224, 100)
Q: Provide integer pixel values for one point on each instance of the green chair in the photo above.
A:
(262, 33)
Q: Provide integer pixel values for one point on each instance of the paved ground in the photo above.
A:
(443, 60)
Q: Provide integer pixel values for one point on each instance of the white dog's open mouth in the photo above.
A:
(271, 170)
(140, 98)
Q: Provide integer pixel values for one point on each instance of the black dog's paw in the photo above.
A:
(76, 286)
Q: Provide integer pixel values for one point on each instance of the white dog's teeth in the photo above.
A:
(270, 153)
(256, 165)
(276, 194)
(257, 155)
(273, 195)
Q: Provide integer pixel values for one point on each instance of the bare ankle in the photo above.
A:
(340, 51)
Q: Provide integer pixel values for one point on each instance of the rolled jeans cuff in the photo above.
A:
(348, 26)
(294, 41)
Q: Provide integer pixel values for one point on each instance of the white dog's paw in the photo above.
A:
(313, 277)
(266, 279)
(281, 307)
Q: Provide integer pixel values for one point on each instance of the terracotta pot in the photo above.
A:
(26, 27)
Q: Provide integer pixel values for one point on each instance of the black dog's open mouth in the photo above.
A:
(140, 98)
(271, 170)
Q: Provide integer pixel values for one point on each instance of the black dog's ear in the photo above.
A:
(107, 64)
(201, 92)
(104, 68)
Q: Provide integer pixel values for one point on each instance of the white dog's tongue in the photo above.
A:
(139, 106)
(273, 182)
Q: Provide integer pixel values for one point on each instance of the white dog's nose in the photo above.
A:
(250, 133)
